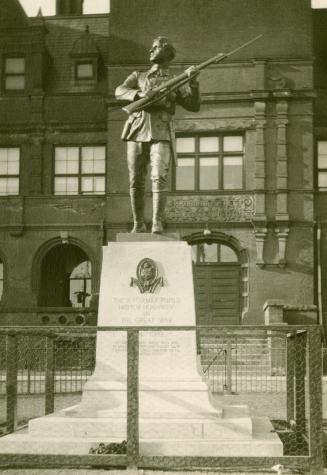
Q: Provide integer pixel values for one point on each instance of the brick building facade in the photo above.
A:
(243, 192)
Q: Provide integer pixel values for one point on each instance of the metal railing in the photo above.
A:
(232, 364)
(247, 363)
(296, 413)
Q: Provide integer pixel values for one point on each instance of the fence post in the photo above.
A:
(290, 373)
(11, 381)
(49, 373)
(228, 363)
(132, 399)
(315, 400)
(300, 347)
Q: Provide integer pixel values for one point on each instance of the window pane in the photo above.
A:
(227, 254)
(9, 161)
(9, 186)
(322, 179)
(209, 173)
(322, 161)
(209, 144)
(233, 173)
(3, 167)
(13, 154)
(1, 270)
(207, 252)
(95, 185)
(66, 186)
(3, 186)
(185, 174)
(84, 71)
(13, 168)
(12, 186)
(99, 153)
(72, 153)
(185, 144)
(233, 143)
(93, 160)
(82, 271)
(87, 166)
(322, 148)
(3, 155)
(61, 166)
(15, 65)
(1, 288)
(80, 292)
(66, 159)
(15, 83)
(99, 184)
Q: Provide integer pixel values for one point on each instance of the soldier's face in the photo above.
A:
(157, 52)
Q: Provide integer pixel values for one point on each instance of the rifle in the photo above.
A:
(172, 84)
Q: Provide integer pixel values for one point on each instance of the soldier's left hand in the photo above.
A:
(192, 73)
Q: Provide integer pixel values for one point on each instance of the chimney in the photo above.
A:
(69, 7)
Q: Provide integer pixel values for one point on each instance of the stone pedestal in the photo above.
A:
(169, 381)
(149, 284)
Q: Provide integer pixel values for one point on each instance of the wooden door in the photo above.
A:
(217, 287)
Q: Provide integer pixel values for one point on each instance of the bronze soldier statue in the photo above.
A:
(149, 132)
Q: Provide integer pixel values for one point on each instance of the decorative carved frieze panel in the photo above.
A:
(194, 209)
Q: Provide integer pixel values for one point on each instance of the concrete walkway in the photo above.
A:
(131, 472)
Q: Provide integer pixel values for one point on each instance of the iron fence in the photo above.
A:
(276, 371)
(245, 363)
(253, 363)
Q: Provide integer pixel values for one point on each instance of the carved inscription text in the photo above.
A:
(210, 208)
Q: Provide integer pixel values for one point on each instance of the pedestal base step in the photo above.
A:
(263, 443)
(193, 429)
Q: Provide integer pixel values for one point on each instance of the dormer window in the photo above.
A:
(14, 74)
(85, 55)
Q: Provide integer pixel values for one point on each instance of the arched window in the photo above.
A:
(210, 253)
(66, 277)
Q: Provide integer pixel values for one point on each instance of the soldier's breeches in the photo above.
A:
(137, 165)
(139, 155)
(159, 159)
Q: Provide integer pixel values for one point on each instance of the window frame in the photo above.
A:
(79, 175)
(5, 75)
(19, 148)
(220, 154)
(318, 170)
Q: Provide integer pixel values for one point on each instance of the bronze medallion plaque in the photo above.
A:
(147, 276)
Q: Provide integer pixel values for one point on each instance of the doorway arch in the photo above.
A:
(65, 277)
(220, 278)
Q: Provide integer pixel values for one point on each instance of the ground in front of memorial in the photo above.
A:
(131, 472)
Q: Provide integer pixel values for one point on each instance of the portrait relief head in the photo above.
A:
(147, 271)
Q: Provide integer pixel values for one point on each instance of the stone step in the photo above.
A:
(193, 429)
(263, 437)
(25, 444)
(263, 441)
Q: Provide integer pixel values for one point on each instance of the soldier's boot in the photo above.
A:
(159, 199)
(137, 205)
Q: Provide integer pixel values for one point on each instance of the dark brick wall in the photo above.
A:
(203, 28)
